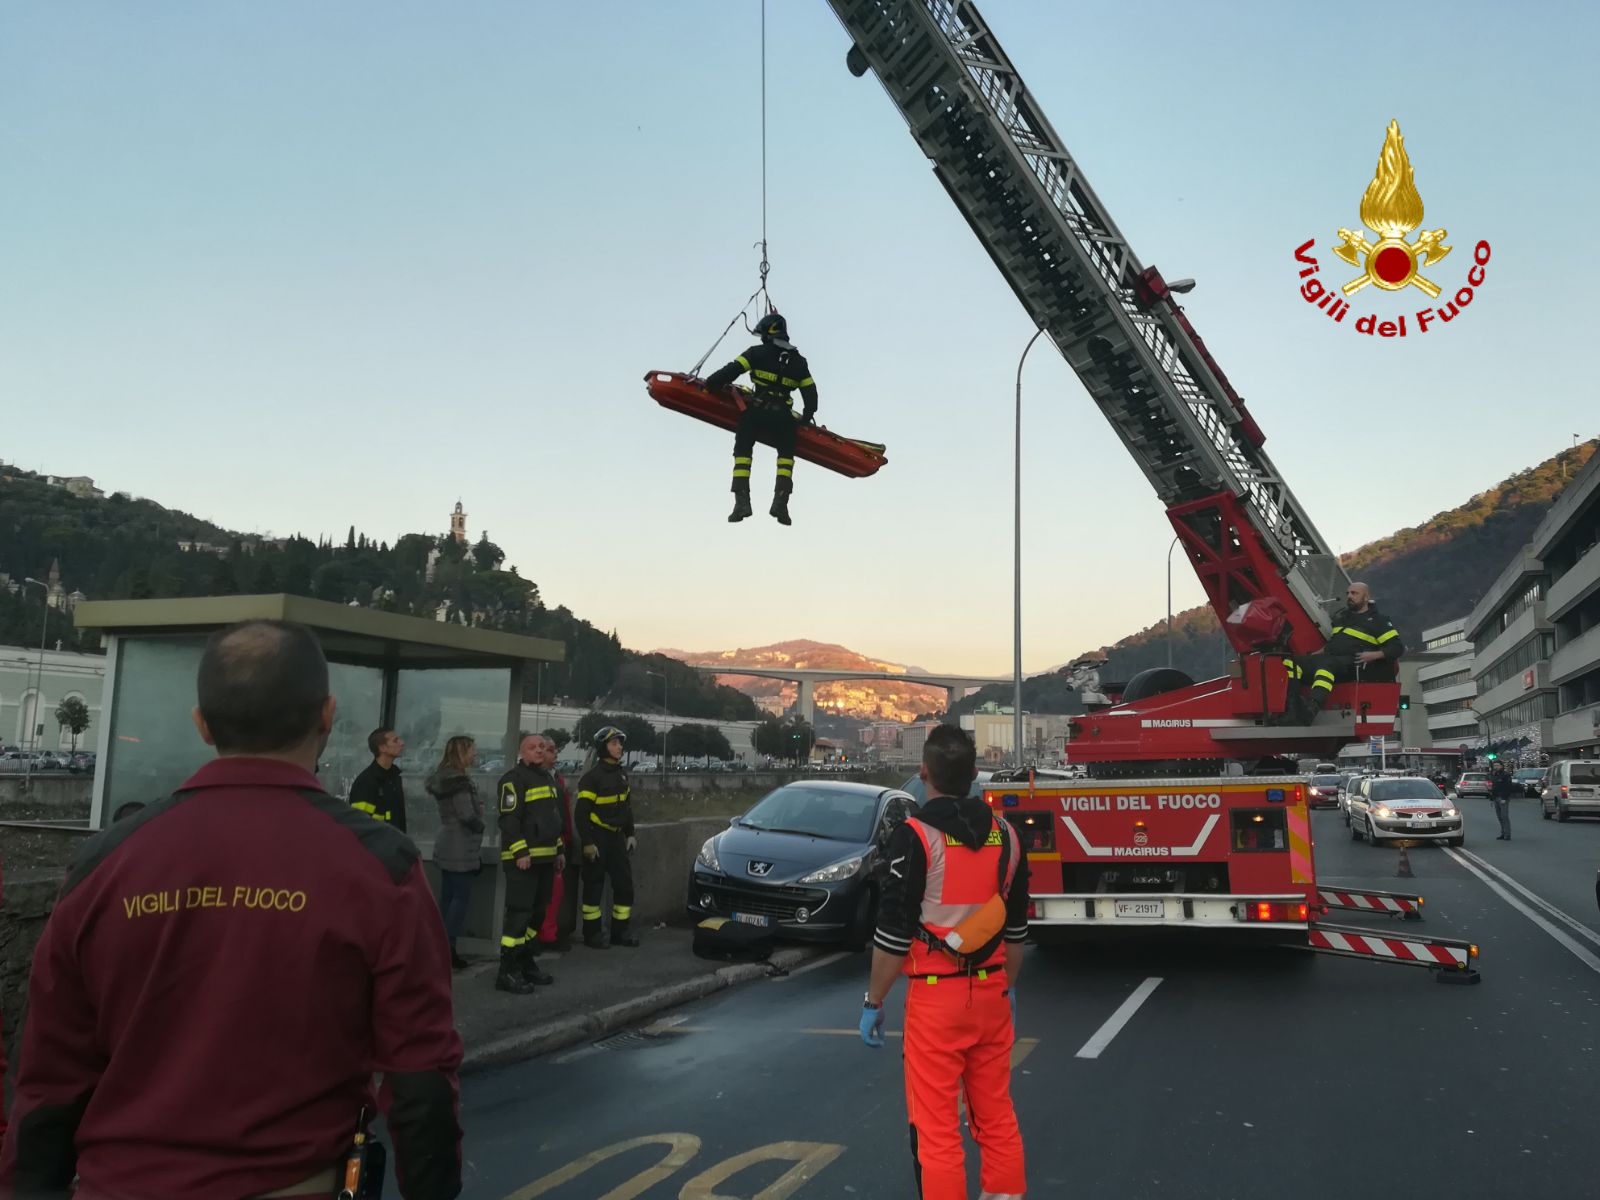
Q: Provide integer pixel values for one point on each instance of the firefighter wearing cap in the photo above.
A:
(604, 820)
(953, 918)
(1364, 647)
(776, 368)
(531, 853)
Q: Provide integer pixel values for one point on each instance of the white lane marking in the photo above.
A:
(811, 966)
(1577, 926)
(1579, 952)
(1114, 1023)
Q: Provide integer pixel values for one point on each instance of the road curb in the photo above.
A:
(549, 1036)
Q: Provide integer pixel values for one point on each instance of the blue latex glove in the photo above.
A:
(872, 1026)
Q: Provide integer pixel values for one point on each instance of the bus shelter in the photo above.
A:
(429, 680)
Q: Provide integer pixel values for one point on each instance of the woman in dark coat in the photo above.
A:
(457, 851)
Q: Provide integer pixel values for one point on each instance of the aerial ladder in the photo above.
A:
(1270, 576)
(1194, 830)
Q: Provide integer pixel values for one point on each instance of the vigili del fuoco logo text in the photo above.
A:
(1391, 208)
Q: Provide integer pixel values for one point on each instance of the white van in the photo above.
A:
(1571, 789)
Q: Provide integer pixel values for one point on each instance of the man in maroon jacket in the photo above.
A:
(225, 971)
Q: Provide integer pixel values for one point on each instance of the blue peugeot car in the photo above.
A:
(805, 862)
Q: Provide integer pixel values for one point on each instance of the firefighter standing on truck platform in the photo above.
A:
(604, 820)
(1364, 646)
(226, 969)
(531, 853)
(776, 369)
(953, 919)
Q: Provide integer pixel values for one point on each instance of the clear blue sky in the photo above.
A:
(294, 266)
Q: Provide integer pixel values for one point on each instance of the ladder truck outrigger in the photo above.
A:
(1192, 817)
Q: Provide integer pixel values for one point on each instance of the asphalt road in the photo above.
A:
(1243, 1074)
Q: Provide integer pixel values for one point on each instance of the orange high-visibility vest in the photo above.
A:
(960, 881)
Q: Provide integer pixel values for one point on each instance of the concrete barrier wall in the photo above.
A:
(661, 865)
(68, 795)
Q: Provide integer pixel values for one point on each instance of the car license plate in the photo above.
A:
(1421, 824)
(1141, 908)
(751, 919)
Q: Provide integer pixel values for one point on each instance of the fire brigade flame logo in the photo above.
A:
(1392, 208)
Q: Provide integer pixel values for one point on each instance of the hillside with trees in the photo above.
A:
(120, 548)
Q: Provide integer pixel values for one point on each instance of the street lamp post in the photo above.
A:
(1016, 556)
(1170, 549)
(667, 711)
(38, 691)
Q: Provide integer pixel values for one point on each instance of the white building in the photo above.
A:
(1448, 691)
(26, 703)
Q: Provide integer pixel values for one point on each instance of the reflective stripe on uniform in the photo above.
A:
(617, 799)
(765, 376)
(743, 362)
(621, 912)
(365, 807)
(806, 382)
(595, 818)
(591, 912)
(1363, 636)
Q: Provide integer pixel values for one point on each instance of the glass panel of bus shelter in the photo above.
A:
(153, 743)
(358, 696)
(432, 706)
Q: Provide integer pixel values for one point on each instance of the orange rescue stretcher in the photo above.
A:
(813, 443)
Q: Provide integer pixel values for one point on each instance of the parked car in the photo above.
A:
(919, 790)
(806, 861)
(1528, 780)
(1473, 783)
(1571, 788)
(1408, 809)
(1322, 791)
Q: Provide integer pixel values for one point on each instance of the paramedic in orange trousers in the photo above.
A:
(957, 877)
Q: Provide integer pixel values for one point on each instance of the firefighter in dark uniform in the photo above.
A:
(226, 969)
(604, 820)
(1364, 645)
(531, 854)
(379, 791)
(776, 369)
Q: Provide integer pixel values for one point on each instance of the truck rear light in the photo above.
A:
(1274, 910)
(1563, 791)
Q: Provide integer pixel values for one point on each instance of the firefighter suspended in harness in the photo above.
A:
(1363, 647)
(776, 369)
(953, 919)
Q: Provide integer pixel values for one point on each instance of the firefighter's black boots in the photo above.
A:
(510, 978)
(780, 501)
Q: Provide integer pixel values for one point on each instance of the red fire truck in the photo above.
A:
(1194, 815)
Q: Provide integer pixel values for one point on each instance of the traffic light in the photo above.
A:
(1490, 756)
(1405, 702)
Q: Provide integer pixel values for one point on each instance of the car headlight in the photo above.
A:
(708, 855)
(833, 874)
(1384, 811)
(1451, 812)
